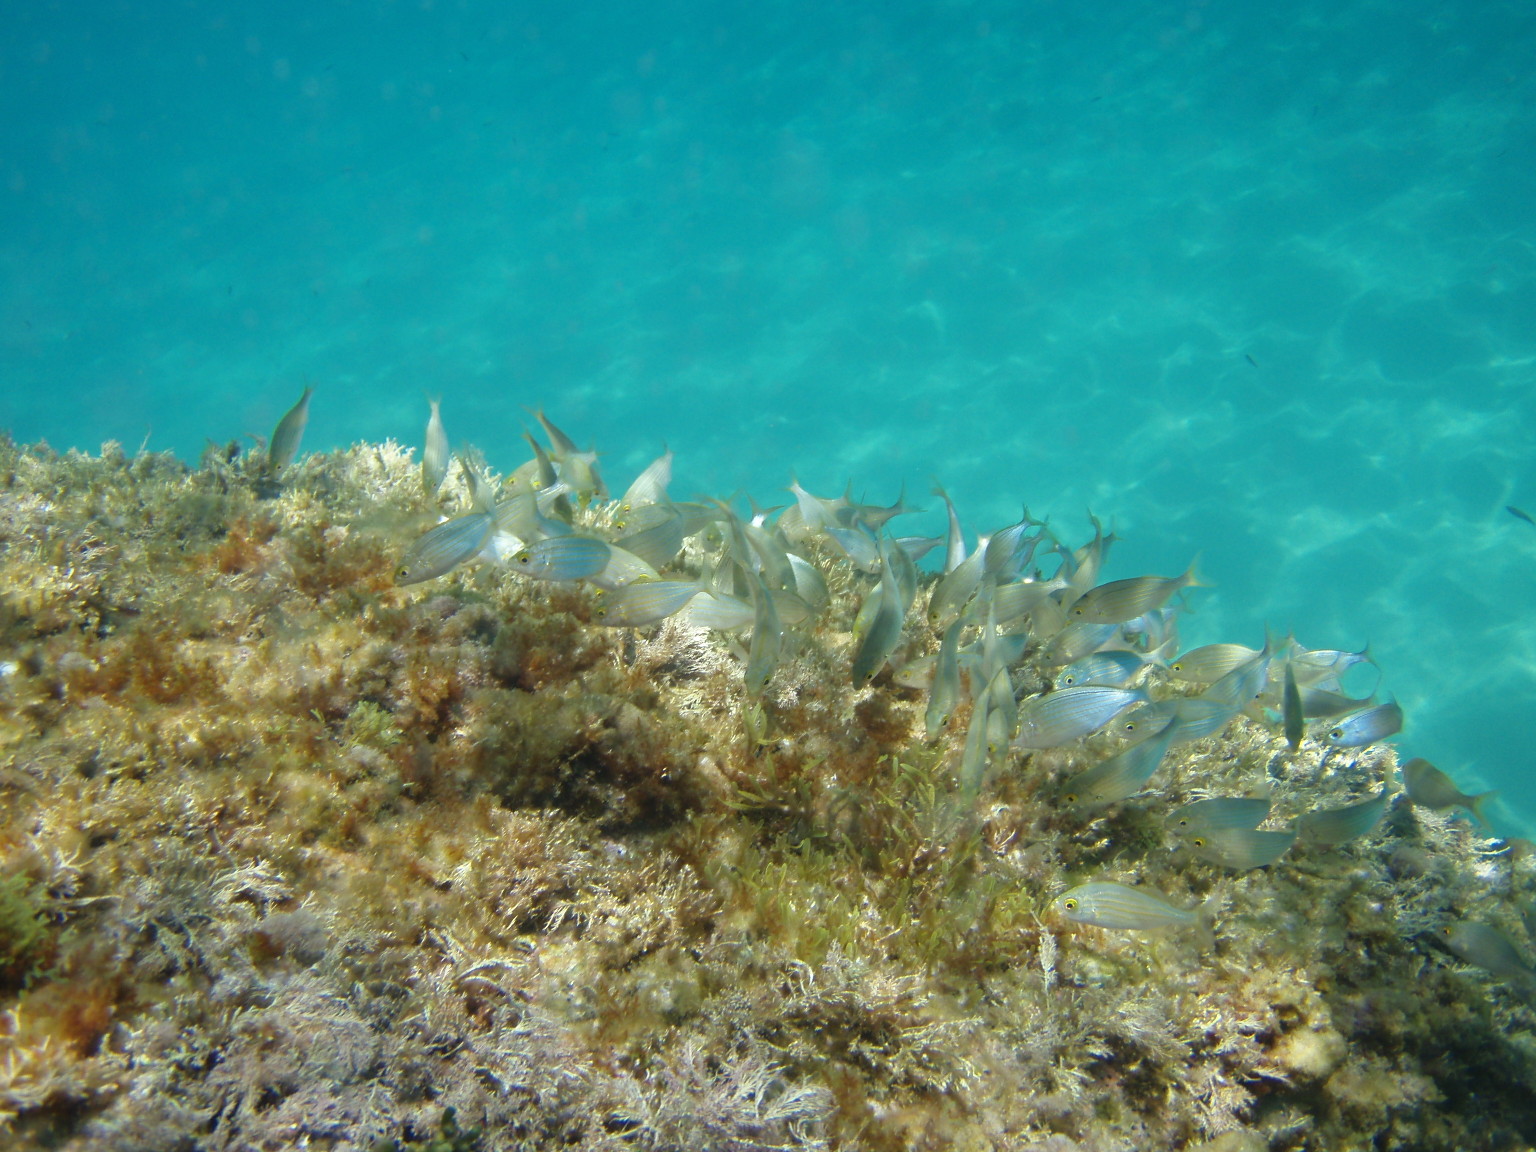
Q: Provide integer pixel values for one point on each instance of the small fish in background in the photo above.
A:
(1428, 787)
(1520, 514)
(1366, 726)
(289, 431)
(1485, 947)
(1121, 775)
(434, 454)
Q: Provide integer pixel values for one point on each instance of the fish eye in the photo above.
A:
(1070, 797)
(1198, 841)
(1335, 733)
(1068, 681)
(1070, 904)
(524, 558)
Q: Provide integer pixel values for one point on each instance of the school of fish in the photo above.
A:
(1014, 637)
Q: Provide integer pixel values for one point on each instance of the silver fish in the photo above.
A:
(1241, 848)
(563, 558)
(442, 549)
(956, 587)
(1079, 639)
(944, 693)
(660, 540)
(1489, 949)
(1219, 813)
(1122, 600)
(1325, 827)
(1209, 663)
(1291, 711)
(1110, 669)
(1057, 718)
(883, 632)
(650, 487)
(1123, 774)
(1366, 726)
(767, 640)
(289, 431)
(1197, 718)
(1105, 904)
(434, 454)
(644, 602)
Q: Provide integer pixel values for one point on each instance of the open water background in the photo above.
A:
(1252, 281)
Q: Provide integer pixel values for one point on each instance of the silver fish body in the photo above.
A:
(441, 549)
(1122, 600)
(1057, 718)
(1105, 904)
(1121, 775)
(1108, 669)
(1293, 715)
(1208, 664)
(645, 602)
(434, 453)
(1489, 949)
(1242, 849)
(1366, 726)
(289, 431)
(1198, 718)
(1326, 827)
(767, 642)
(563, 558)
(944, 692)
(1217, 814)
(882, 633)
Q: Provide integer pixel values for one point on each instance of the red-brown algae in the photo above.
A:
(294, 856)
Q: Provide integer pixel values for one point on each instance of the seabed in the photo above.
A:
(294, 857)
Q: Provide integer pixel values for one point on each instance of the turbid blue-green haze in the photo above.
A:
(1252, 281)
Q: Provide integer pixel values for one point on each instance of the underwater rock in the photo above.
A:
(296, 855)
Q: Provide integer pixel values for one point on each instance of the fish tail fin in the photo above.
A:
(1192, 577)
(1481, 801)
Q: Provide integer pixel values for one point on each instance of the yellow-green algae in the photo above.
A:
(294, 857)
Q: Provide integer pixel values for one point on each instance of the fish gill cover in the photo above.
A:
(303, 847)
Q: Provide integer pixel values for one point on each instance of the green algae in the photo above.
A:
(299, 856)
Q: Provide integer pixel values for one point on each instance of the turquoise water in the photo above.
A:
(1251, 283)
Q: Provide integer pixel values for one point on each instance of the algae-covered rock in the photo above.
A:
(295, 856)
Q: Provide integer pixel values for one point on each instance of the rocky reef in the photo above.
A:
(293, 856)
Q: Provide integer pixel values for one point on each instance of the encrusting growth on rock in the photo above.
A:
(294, 855)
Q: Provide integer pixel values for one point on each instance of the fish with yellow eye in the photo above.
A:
(1121, 775)
(1122, 908)
(1485, 947)
(1241, 849)
(1122, 600)
(1366, 726)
